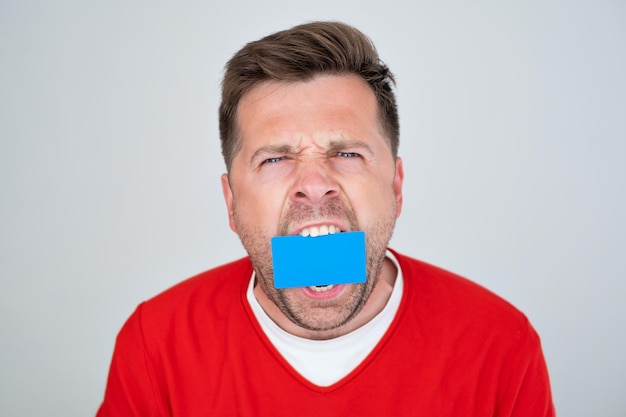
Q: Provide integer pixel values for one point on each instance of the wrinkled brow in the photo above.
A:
(334, 146)
(350, 144)
(281, 149)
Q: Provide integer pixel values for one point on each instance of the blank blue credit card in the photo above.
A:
(322, 260)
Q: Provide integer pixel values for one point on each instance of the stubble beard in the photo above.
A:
(318, 315)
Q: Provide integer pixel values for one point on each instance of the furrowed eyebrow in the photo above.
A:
(271, 150)
(342, 145)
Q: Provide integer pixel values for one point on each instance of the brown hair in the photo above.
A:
(299, 54)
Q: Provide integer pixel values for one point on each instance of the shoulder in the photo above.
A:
(228, 276)
(209, 293)
(473, 337)
(457, 301)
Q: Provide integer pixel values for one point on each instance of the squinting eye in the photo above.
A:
(348, 154)
(273, 160)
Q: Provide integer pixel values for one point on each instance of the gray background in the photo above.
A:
(513, 137)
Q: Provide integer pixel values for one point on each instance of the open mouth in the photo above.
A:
(321, 288)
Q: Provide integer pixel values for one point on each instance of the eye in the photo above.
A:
(273, 160)
(348, 154)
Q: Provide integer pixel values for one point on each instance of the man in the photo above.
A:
(309, 132)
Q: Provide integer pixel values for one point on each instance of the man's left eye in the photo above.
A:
(348, 154)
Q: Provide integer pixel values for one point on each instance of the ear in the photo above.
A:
(228, 197)
(397, 185)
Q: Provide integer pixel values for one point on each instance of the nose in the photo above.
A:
(314, 183)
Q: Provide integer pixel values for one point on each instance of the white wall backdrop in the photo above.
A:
(513, 134)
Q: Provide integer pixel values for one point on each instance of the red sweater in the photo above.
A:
(453, 349)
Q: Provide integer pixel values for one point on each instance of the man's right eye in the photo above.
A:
(273, 160)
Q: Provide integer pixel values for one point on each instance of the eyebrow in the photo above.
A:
(272, 150)
(340, 145)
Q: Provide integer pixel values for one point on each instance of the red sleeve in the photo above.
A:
(526, 380)
(131, 389)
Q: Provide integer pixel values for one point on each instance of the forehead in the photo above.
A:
(325, 106)
(326, 86)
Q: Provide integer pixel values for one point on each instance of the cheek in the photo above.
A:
(370, 199)
(261, 206)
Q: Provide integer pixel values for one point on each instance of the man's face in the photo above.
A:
(313, 159)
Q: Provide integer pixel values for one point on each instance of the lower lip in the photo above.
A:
(324, 295)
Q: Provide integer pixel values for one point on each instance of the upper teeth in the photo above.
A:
(322, 230)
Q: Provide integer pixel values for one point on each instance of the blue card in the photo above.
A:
(322, 260)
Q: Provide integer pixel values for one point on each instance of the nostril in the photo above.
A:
(313, 184)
